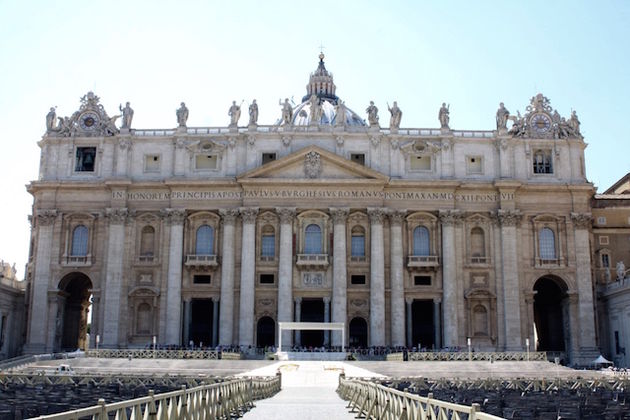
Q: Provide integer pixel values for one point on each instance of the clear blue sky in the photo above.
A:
(156, 54)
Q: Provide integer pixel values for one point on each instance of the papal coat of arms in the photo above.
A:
(312, 165)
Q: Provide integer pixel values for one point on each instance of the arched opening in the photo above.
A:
(422, 332)
(204, 244)
(75, 290)
(549, 318)
(265, 332)
(358, 332)
(79, 241)
(313, 239)
(421, 241)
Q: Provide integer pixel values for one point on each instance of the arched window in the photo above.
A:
(477, 242)
(79, 241)
(204, 244)
(542, 162)
(147, 238)
(313, 239)
(421, 241)
(268, 242)
(143, 319)
(357, 244)
(547, 244)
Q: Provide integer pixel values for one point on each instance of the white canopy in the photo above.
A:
(601, 360)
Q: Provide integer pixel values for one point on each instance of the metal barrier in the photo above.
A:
(221, 400)
(376, 401)
(446, 356)
(153, 354)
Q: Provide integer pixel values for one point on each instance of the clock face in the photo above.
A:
(540, 123)
(89, 120)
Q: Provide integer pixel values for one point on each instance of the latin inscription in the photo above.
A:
(311, 194)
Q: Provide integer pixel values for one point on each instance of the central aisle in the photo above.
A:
(308, 391)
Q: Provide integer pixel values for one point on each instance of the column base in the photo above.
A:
(36, 348)
(584, 356)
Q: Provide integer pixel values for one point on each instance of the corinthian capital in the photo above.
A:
(286, 214)
(509, 217)
(116, 216)
(377, 215)
(248, 214)
(46, 217)
(339, 214)
(396, 217)
(228, 215)
(582, 220)
(450, 217)
(174, 216)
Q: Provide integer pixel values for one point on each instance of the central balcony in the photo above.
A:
(76, 260)
(312, 260)
(201, 261)
(420, 261)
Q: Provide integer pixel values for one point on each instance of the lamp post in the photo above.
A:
(469, 342)
(98, 340)
(527, 346)
(154, 342)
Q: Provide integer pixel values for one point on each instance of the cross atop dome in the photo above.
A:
(321, 83)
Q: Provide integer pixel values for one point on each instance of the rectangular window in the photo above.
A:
(267, 279)
(358, 158)
(358, 246)
(357, 279)
(605, 261)
(268, 246)
(474, 165)
(151, 163)
(422, 280)
(542, 162)
(206, 162)
(268, 157)
(85, 160)
(603, 240)
(202, 279)
(420, 163)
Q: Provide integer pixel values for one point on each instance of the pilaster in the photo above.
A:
(448, 219)
(175, 219)
(226, 323)
(397, 306)
(339, 295)
(377, 277)
(285, 270)
(248, 270)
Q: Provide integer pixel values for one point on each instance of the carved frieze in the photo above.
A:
(314, 279)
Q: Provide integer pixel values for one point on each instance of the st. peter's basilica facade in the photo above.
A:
(411, 237)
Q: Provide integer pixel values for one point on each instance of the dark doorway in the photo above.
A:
(422, 332)
(75, 290)
(358, 333)
(265, 332)
(312, 311)
(548, 317)
(201, 321)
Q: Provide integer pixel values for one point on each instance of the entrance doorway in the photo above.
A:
(265, 332)
(75, 290)
(312, 311)
(549, 320)
(358, 332)
(422, 332)
(201, 321)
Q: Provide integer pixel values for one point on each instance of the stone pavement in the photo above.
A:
(308, 391)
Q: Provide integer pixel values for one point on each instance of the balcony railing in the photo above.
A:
(319, 260)
(77, 260)
(146, 259)
(548, 262)
(479, 260)
(358, 258)
(423, 261)
(268, 258)
(195, 260)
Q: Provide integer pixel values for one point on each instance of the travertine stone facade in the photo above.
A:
(11, 311)
(411, 236)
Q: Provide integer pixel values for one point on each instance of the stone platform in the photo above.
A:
(323, 356)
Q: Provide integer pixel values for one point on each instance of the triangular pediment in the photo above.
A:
(312, 163)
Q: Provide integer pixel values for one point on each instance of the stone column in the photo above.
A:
(509, 220)
(248, 272)
(449, 218)
(187, 320)
(215, 321)
(285, 270)
(298, 318)
(37, 328)
(586, 309)
(174, 219)
(377, 278)
(226, 317)
(409, 302)
(114, 275)
(327, 319)
(397, 305)
(340, 281)
(437, 328)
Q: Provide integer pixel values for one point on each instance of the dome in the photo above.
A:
(302, 114)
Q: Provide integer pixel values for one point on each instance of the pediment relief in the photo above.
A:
(144, 291)
(420, 147)
(204, 217)
(204, 146)
(422, 217)
(313, 163)
(478, 219)
(478, 293)
(547, 218)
